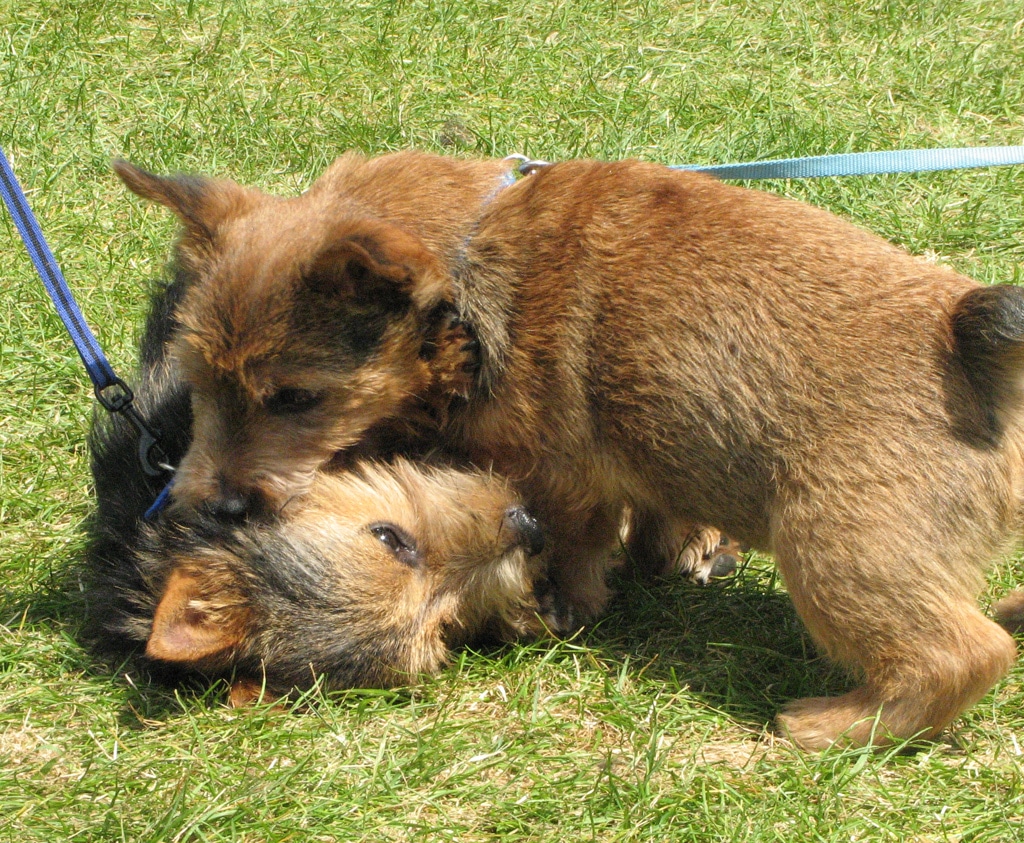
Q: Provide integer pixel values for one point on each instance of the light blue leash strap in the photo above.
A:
(866, 163)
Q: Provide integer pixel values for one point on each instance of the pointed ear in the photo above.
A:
(189, 627)
(202, 204)
(376, 265)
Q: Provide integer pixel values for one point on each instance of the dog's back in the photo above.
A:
(719, 355)
(731, 333)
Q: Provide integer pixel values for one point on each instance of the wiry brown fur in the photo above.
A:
(318, 593)
(368, 580)
(339, 293)
(726, 356)
(696, 353)
(288, 265)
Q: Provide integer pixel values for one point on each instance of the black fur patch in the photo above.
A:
(988, 330)
(348, 332)
(114, 581)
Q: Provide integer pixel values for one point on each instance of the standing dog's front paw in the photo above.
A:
(454, 356)
(698, 553)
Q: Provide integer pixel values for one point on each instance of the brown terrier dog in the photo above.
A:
(368, 581)
(655, 340)
(273, 407)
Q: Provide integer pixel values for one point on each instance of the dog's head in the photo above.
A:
(304, 323)
(369, 580)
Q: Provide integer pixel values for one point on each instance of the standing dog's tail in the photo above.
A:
(988, 332)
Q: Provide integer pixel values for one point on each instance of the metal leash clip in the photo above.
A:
(117, 397)
(527, 165)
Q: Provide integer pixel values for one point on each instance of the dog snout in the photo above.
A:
(235, 504)
(525, 529)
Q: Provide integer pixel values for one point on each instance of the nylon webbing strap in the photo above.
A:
(96, 364)
(112, 392)
(867, 163)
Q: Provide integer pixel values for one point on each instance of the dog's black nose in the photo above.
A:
(231, 505)
(234, 504)
(525, 528)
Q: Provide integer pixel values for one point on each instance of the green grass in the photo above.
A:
(656, 725)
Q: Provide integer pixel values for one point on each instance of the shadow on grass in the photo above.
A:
(57, 607)
(738, 644)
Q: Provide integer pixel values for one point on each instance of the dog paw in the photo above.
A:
(856, 718)
(555, 615)
(709, 556)
(454, 357)
(700, 554)
(808, 723)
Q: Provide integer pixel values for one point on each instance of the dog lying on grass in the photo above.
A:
(650, 340)
(315, 591)
(370, 579)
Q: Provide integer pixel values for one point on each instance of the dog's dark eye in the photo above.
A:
(286, 401)
(398, 542)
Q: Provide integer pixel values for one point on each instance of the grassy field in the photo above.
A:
(653, 726)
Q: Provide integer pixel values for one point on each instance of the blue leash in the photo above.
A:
(112, 392)
(115, 396)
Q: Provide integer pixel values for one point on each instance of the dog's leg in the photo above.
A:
(581, 548)
(1009, 612)
(658, 547)
(454, 355)
(895, 614)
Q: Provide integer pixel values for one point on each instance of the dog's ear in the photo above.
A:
(189, 627)
(376, 265)
(246, 691)
(201, 204)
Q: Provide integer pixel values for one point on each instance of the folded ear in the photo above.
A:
(201, 204)
(248, 691)
(188, 626)
(376, 265)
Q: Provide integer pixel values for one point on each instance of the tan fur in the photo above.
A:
(661, 343)
(273, 284)
(689, 331)
(251, 253)
(319, 593)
